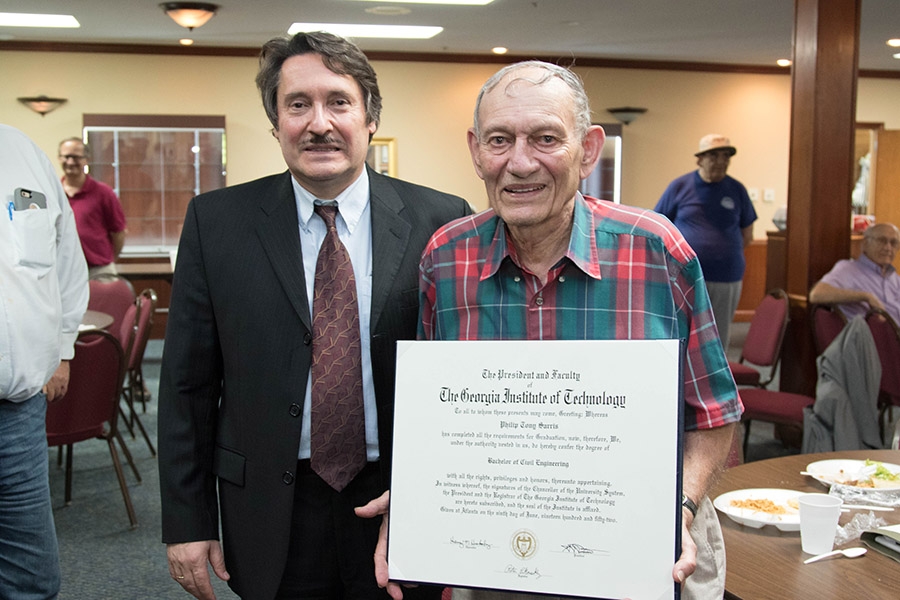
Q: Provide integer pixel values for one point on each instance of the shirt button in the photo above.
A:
(295, 410)
(539, 301)
(287, 478)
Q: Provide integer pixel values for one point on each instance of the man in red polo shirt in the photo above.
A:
(98, 212)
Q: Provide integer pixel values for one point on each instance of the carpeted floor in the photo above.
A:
(103, 559)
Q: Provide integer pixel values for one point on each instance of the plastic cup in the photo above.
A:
(819, 514)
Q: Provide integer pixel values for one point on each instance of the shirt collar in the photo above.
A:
(351, 202)
(868, 263)
(88, 186)
(582, 250)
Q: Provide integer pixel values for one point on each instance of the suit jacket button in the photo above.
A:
(287, 478)
(307, 339)
(295, 410)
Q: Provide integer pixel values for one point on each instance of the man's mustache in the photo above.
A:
(321, 140)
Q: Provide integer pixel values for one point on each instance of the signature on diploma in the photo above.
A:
(471, 544)
(523, 572)
(579, 550)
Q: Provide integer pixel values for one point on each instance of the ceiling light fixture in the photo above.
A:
(190, 15)
(893, 42)
(388, 11)
(450, 2)
(347, 30)
(626, 114)
(499, 50)
(35, 20)
(783, 62)
(42, 104)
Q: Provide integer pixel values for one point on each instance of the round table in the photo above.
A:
(94, 319)
(768, 563)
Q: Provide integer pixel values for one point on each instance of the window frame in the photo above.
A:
(200, 126)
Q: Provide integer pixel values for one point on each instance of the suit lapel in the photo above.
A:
(390, 237)
(279, 232)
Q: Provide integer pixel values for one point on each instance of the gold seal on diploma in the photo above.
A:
(524, 544)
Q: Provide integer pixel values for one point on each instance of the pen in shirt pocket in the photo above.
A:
(10, 208)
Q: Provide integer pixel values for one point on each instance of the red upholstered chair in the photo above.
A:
(133, 388)
(762, 347)
(828, 322)
(782, 408)
(90, 408)
(112, 297)
(887, 340)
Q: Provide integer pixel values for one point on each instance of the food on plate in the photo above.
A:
(765, 505)
(883, 477)
(759, 507)
(874, 475)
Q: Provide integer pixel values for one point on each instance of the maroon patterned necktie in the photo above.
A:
(337, 422)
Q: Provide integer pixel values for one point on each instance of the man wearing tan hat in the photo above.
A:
(714, 213)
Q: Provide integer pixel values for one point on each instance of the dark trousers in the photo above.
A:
(331, 549)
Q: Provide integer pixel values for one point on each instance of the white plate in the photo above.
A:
(843, 471)
(790, 521)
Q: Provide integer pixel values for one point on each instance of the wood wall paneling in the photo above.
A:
(887, 180)
(754, 284)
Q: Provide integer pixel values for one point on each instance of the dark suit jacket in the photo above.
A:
(237, 356)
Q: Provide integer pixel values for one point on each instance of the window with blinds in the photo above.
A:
(156, 164)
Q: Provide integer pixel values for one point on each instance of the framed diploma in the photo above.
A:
(551, 467)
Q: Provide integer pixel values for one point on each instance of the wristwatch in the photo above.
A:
(689, 504)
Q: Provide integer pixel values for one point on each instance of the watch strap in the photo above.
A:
(689, 504)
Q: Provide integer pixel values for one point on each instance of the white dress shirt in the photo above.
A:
(43, 277)
(354, 226)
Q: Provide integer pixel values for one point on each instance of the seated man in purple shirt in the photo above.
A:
(867, 282)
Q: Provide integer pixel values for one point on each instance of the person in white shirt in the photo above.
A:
(43, 295)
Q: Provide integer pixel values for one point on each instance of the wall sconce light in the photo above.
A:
(190, 14)
(42, 104)
(626, 114)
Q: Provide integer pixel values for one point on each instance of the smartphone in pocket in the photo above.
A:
(27, 199)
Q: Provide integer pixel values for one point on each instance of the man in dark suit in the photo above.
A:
(235, 425)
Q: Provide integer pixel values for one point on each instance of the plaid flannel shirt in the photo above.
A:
(627, 274)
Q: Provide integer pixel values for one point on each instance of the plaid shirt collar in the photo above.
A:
(582, 251)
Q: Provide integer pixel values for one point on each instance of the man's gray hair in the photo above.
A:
(576, 86)
(869, 233)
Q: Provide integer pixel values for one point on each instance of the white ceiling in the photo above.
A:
(744, 32)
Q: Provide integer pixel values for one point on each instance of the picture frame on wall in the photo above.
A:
(382, 156)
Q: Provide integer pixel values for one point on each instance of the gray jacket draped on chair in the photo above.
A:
(845, 414)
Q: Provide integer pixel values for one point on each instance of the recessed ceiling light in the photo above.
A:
(499, 50)
(36, 20)
(453, 2)
(388, 11)
(186, 41)
(894, 42)
(783, 62)
(397, 32)
(896, 55)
